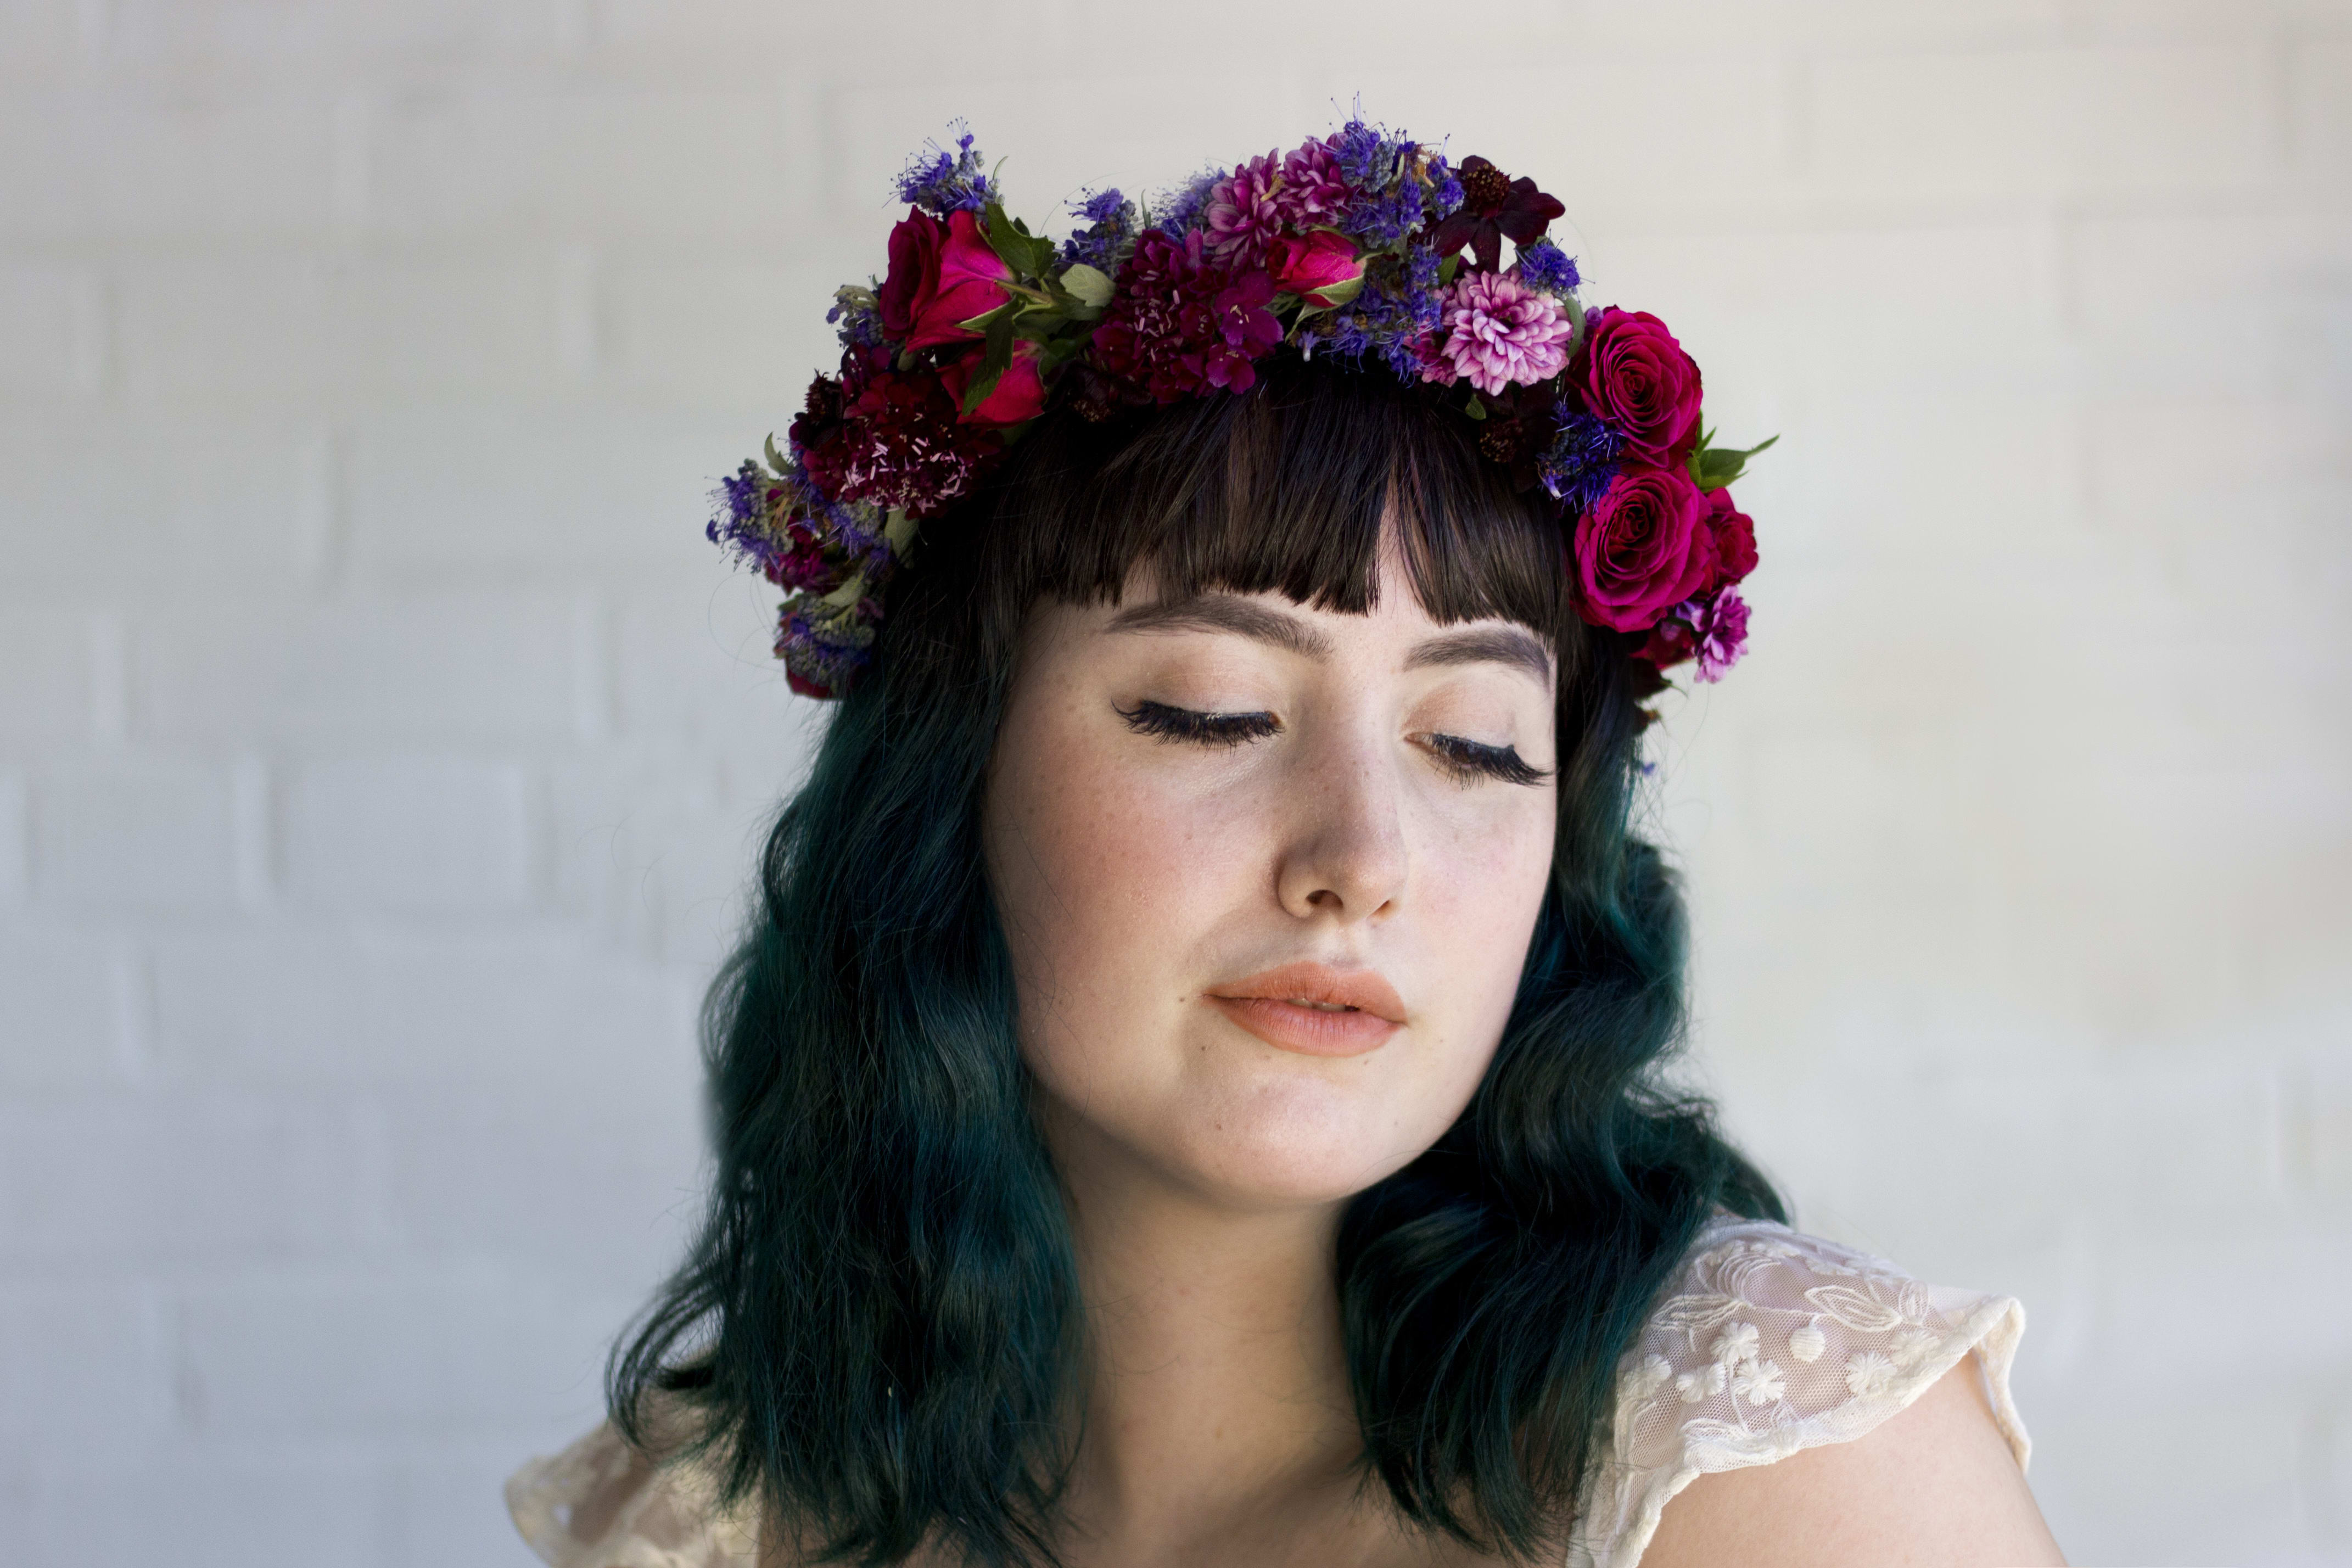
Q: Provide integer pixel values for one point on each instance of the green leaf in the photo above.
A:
(994, 359)
(1712, 468)
(1448, 267)
(1475, 409)
(1012, 247)
(1087, 285)
(775, 461)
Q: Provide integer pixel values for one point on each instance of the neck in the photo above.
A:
(1218, 1399)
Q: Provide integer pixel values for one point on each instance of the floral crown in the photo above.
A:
(1362, 246)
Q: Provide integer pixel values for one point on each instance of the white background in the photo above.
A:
(383, 749)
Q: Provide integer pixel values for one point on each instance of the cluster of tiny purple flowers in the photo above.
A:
(1363, 246)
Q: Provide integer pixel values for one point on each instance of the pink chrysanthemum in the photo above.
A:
(1499, 332)
(1720, 624)
(1241, 215)
(1312, 195)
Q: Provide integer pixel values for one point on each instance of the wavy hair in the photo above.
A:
(877, 1330)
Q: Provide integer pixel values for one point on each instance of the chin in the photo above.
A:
(1284, 1145)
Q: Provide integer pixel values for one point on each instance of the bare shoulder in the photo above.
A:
(1933, 1484)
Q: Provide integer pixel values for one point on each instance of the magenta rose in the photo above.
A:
(1019, 394)
(1310, 264)
(1734, 537)
(1631, 372)
(942, 275)
(1642, 548)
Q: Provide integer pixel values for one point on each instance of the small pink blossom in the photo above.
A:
(1312, 193)
(1241, 215)
(1500, 332)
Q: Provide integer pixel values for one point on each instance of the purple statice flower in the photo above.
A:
(1182, 210)
(1312, 195)
(941, 184)
(1112, 229)
(856, 319)
(1718, 625)
(1499, 332)
(1580, 461)
(1242, 214)
(1545, 266)
(1369, 158)
(1390, 321)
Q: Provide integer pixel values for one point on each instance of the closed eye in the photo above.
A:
(1471, 760)
(1182, 724)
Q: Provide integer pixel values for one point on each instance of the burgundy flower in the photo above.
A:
(1631, 372)
(1312, 195)
(1735, 538)
(1642, 548)
(1242, 215)
(1321, 267)
(898, 443)
(942, 274)
(1494, 208)
(1019, 394)
(1180, 323)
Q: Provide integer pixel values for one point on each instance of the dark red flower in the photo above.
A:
(898, 443)
(1494, 208)
(1735, 538)
(1178, 323)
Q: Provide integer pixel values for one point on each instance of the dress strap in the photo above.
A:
(1770, 1341)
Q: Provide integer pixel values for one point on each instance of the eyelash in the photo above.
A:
(1467, 761)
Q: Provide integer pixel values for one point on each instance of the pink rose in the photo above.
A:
(1734, 537)
(1310, 264)
(1019, 394)
(1642, 548)
(942, 275)
(1632, 373)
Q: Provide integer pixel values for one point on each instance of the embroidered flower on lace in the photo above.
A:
(1648, 1378)
(1695, 1386)
(1911, 1347)
(1808, 1343)
(1868, 1374)
(1737, 1343)
(1757, 1382)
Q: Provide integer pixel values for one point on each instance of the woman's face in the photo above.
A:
(1268, 875)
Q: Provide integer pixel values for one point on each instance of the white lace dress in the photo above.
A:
(1769, 1341)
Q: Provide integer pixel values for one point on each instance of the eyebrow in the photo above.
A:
(1224, 613)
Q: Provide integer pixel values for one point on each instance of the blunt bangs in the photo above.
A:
(1285, 489)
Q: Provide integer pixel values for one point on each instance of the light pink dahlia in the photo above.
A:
(1242, 215)
(1499, 332)
(1312, 195)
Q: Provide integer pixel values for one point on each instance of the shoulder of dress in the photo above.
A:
(1769, 1341)
(604, 1504)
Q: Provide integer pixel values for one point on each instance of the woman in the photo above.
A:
(1191, 1092)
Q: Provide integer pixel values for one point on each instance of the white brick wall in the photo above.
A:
(382, 749)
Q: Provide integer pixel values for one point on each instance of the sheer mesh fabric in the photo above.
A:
(1769, 1341)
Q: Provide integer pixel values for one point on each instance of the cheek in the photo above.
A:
(1102, 876)
(1481, 887)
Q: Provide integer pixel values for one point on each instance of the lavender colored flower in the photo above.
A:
(1242, 214)
(1111, 229)
(1369, 158)
(1580, 461)
(856, 321)
(1545, 266)
(1182, 210)
(940, 183)
(1719, 627)
(1499, 333)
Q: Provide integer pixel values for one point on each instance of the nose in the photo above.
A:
(1345, 854)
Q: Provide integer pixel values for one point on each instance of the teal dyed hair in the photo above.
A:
(878, 1327)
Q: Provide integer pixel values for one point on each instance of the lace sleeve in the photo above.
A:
(1771, 1341)
(604, 1504)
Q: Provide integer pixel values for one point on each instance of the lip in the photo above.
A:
(1267, 1006)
